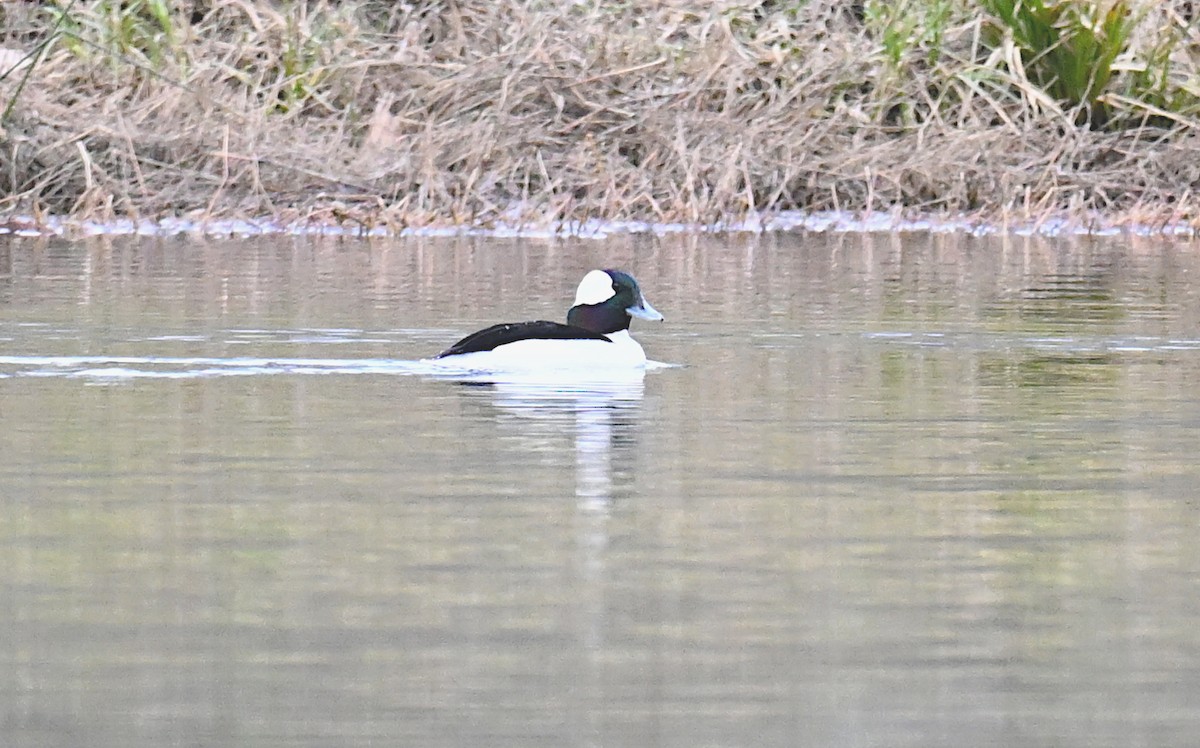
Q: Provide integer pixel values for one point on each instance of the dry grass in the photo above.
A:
(474, 111)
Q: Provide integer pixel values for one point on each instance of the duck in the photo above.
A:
(596, 334)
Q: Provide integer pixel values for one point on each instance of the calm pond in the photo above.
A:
(903, 490)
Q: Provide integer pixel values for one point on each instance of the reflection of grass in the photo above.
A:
(109, 560)
(1051, 370)
(1050, 314)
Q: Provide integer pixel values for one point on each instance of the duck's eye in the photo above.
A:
(616, 286)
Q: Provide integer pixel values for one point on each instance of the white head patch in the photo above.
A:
(596, 287)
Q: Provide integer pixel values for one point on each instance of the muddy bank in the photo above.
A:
(373, 115)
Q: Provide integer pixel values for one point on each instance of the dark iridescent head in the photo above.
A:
(607, 300)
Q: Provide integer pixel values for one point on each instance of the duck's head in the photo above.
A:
(607, 300)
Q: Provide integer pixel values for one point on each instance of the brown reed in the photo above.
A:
(540, 111)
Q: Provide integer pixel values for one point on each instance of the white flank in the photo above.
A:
(558, 355)
(596, 287)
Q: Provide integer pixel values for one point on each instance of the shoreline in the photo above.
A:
(1050, 225)
(519, 116)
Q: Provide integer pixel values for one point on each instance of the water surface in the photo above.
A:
(901, 490)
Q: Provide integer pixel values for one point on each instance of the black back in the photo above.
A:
(495, 336)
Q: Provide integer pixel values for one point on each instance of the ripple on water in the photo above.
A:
(117, 368)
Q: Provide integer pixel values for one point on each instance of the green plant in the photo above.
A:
(32, 59)
(906, 26)
(302, 58)
(142, 32)
(1154, 85)
(1067, 47)
(906, 41)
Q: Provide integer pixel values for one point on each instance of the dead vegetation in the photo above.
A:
(542, 111)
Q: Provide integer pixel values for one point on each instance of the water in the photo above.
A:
(901, 490)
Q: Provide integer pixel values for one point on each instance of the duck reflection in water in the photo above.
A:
(601, 417)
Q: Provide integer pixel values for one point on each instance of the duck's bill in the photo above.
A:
(643, 310)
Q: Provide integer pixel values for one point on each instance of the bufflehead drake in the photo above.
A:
(596, 334)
